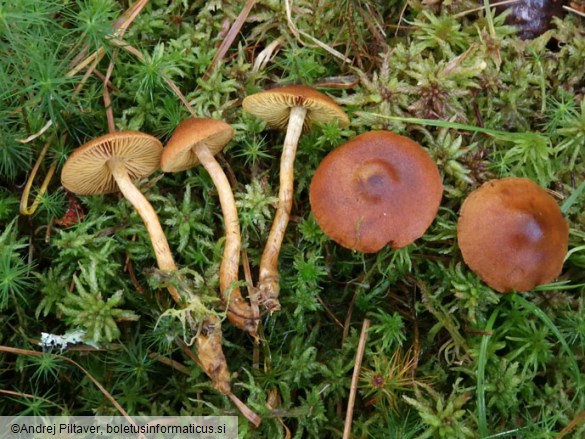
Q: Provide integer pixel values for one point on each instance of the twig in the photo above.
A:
(480, 8)
(329, 312)
(349, 314)
(253, 297)
(107, 100)
(354, 379)
(574, 11)
(400, 17)
(297, 33)
(128, 48)
(230, 37)
(107, 394)
(171, 363)
(28, 395)
(24, 208)
(571, 425)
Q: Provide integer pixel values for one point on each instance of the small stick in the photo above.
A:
(480, 8)
(132, 50)
(329, 312)
(571, 425)
(24, 207)
(253, 297)
(354, 379)
(231, 36)
(348, 316)
(171, 363)
(107, 100)
(249, 414)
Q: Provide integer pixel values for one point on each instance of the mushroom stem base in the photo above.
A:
(211, 355)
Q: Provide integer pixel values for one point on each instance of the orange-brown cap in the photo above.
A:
(86, 171)
(378, 189)
(178, 154)
(512, 234)
(273, 106)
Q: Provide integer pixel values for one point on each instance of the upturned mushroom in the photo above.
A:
(377, 189)
(109, 164)
(294, 108)
(512, 234)
(196, 141)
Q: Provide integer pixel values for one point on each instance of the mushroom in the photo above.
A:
(377, 189)
(294, 107)
(109, 164)
(196, 141)
(512, 234)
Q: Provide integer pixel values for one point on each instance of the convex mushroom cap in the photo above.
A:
(86, 171)
(512, 234)
(274, 106)
(179, 153)
(378, 189)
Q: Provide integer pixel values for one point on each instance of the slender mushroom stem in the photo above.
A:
(209, 341)
(160, 244)
(239, 312)
(268, 284)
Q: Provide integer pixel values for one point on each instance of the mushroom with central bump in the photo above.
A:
(378, 189)
(196, 141)
(512, 234)
(294, 108)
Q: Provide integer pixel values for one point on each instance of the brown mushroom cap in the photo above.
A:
(178, 154)
(512, 234)
(379, 188)
(86, 171)
(273, 106)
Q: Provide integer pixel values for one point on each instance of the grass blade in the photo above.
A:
(482, 360)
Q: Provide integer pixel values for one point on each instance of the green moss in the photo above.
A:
(487, 105)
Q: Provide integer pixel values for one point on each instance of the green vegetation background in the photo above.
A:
(445, 355)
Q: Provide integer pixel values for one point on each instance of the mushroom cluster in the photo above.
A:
(378, 189)
(109, 164)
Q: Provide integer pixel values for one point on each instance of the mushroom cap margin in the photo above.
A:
(178, 153)
(273, 106)
(86, 171)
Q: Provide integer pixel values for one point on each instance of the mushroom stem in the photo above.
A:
(159, 241)
(268, 284)
(239, 312)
